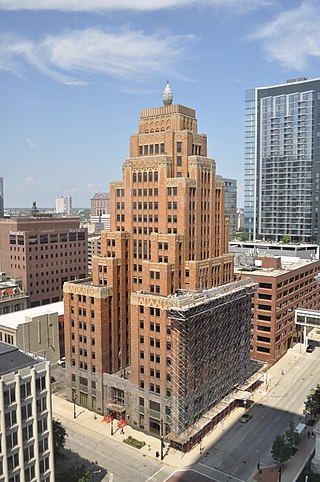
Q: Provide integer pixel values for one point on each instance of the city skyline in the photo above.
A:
(73, 79)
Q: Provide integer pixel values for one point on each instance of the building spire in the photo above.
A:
(167, 96)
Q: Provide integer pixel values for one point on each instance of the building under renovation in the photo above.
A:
(160, 334)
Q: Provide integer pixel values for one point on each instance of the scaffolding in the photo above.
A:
(210, 349)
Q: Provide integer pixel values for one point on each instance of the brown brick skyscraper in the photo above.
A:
(167, 234)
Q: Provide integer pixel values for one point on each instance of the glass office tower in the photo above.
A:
(282, 161)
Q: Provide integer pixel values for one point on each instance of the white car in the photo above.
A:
(62, 362)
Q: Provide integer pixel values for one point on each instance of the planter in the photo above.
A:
(134, 442)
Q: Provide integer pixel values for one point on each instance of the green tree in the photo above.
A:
(286, 239)
(312, 404)
(292, 437)
(281, 450)
(87, 476)
(59, 438)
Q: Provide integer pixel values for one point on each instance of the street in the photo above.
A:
(228, 455)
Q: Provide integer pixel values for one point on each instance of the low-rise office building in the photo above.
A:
(35, 330)
(285, 284)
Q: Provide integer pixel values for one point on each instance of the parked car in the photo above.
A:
(310, 349)
(245, 418)
(62, 362)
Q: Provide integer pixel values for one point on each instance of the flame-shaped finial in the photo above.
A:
(167, 97)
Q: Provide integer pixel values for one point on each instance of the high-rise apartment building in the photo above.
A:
(282, 161)
(1, 198)
(44, 252)
(64, 205)
(230, 203)
(26, 449)
(154, 335)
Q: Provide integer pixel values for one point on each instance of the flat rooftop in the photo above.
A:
(288, 264)
(12, 359)
(13, 320)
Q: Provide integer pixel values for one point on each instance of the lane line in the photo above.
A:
(161, 468)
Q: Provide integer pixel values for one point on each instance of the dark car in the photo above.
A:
(310, 349)
(245, 418)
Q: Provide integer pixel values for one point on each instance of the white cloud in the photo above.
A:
(73, 56)
(293, 37)
(31, 143)
(237, 6)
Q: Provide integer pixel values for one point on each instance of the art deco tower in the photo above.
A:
(168, 238)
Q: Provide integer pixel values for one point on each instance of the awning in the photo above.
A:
(115, 408)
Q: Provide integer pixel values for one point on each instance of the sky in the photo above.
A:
(75, 74)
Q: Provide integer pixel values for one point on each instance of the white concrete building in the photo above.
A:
(35, 330)
(64, 205)
(26, 449)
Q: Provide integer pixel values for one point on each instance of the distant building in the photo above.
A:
(265, 248)
(12, 297)
(1, 198)
(100, 211)
(282, 161)
(35, 330)
(285, 284)
(94, 249)
(64, 205)
(230, 203)
(44, 253)
(26, 451)
(240, 219)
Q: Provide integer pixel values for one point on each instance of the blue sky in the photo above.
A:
(74, 75)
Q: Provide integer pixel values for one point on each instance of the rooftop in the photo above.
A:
(12, 359)
(287, 264)
(13, 320)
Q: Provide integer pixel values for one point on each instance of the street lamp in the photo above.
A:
(74, 398)
(111, 426)
(161, 439)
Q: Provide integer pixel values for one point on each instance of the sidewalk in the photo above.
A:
(174, 458)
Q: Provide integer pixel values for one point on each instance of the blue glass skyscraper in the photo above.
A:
(282, 161)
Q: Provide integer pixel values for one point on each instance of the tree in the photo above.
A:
(281, 450)
(292, 437)
(59, 438)
(312, 404)
(86, 477)
(286, 239)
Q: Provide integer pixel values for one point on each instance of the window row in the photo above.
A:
(151, 149)
(149, 176)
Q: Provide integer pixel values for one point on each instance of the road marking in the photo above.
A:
(189, 470)
(163, 467)
(224, 473)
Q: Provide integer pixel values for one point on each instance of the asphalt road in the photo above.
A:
(233, 458)
(236, 455)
